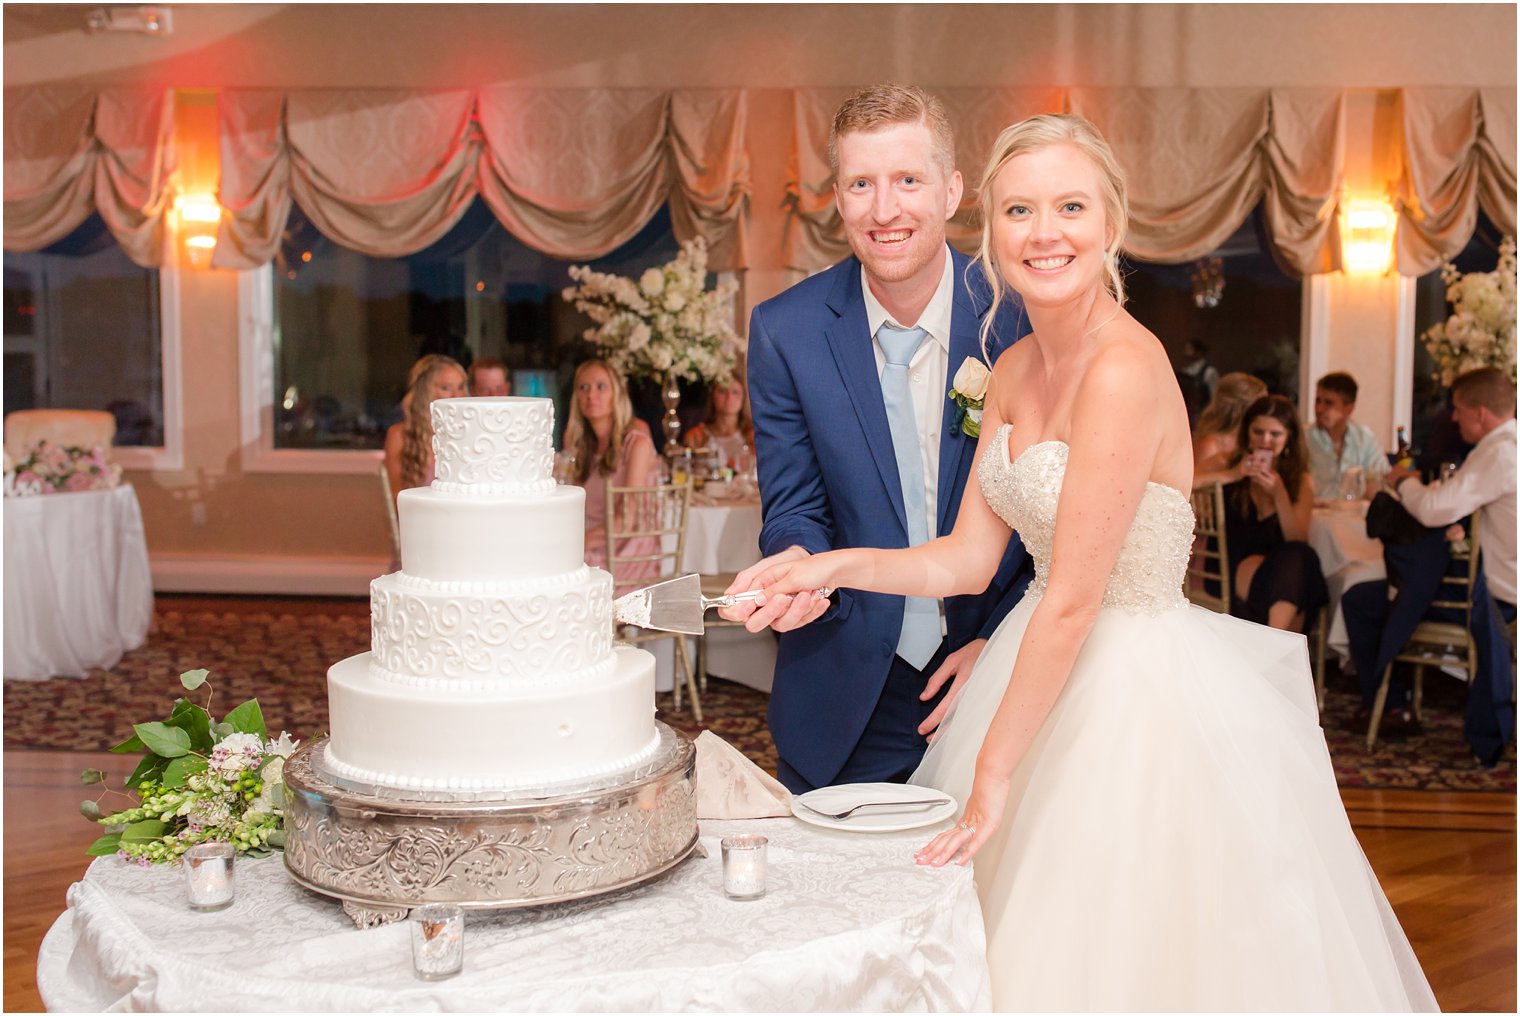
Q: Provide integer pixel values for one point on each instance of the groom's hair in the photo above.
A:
(881, 106)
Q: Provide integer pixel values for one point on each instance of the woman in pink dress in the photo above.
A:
(608, 448)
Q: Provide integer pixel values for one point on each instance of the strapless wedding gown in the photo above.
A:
(1174, 838)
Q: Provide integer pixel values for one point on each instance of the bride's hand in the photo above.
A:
(983, 814)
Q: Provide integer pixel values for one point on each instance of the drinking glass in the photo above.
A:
(1353, 484)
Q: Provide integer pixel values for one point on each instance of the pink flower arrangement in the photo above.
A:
(51, 468)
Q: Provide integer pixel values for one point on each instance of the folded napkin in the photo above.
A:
(730, 786)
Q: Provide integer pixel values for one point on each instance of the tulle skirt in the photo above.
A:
(1174, 838)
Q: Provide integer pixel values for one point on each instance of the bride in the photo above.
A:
(1147, 792)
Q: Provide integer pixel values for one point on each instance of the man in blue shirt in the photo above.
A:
(1337, 444)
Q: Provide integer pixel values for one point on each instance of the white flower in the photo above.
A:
(971, 379)
(282, 747)
(652, 281)
(236, 753)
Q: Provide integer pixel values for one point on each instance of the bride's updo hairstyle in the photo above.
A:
(1031, 135)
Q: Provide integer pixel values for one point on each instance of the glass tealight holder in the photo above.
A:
(437, 941)
(744, 866)
(208, 875)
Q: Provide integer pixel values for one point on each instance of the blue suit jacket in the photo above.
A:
(828, 479)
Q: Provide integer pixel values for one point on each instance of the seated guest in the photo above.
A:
(1483, 406)
(1337, 443)
(727, 425)
(608, 449)
(1219, 423)
(488, 376)
(1269, 498)
(409, 444)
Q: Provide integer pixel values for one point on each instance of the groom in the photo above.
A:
(859, 445)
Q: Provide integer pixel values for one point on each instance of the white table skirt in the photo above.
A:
(1347, 556)
(78, 592)
(849, 923)
(723, 537)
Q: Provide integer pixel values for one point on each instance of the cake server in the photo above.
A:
(676, 605)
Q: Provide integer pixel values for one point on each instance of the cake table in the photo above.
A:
(849, 923)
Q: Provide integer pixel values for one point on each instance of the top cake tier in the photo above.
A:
(499, 445)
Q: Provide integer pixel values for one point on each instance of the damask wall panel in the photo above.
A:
(711, 192)
(574, 172)
(571, 172)
(385, 172)
(1459, 155)
(70, 151)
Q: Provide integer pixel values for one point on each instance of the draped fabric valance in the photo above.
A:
(71, 150)
(1198, 161)
(571, 172)
(1458, 156)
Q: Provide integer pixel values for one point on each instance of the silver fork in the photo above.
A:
(872, 804)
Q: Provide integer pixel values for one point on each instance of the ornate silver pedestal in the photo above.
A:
(383, 851)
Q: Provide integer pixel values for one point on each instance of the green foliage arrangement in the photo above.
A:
(199, 781)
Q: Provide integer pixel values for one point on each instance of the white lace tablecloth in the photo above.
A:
(1347, 556)
(78, 592)
(849, 923)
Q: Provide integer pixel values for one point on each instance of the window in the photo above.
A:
(1432, 432)
(328, 358)
(85, 328)
(1237, 305)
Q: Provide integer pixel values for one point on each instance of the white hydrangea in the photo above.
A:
(1481, 329)
(236, 753)
(665, 324)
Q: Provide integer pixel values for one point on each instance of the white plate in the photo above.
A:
(882, 819)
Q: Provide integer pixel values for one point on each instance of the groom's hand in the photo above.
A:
(957, 665)
(781, 613)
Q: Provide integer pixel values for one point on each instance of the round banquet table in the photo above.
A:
(1347, 556)
(78, 592)
(848, 923)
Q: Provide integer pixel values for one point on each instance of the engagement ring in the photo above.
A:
(969, 828)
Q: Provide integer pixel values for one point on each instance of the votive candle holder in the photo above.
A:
(744, 866)
(437, 941)
(208, 875)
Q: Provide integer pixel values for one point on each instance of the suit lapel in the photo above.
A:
(849, 339)
(956, 449)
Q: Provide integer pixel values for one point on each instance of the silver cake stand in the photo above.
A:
(383, 851)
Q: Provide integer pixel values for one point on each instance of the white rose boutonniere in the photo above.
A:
(969, 391)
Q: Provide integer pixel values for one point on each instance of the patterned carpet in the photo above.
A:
(279, 652)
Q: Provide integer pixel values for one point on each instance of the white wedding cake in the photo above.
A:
(491, 663)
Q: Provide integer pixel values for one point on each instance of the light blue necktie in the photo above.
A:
(920, 628)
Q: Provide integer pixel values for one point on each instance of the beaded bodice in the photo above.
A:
(1152, 564)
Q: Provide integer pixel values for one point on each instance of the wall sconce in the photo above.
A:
(1367, 236)
(199, 215)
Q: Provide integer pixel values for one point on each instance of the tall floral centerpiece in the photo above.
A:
(667, 326)
(1481, 329)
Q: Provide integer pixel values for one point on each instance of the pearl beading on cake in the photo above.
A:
(501, 445)
(495, 781)
(419, 631)
(565, 680)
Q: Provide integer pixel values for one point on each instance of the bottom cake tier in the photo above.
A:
(394, 734)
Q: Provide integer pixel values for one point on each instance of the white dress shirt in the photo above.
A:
(1486, 480)
(926, 374)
